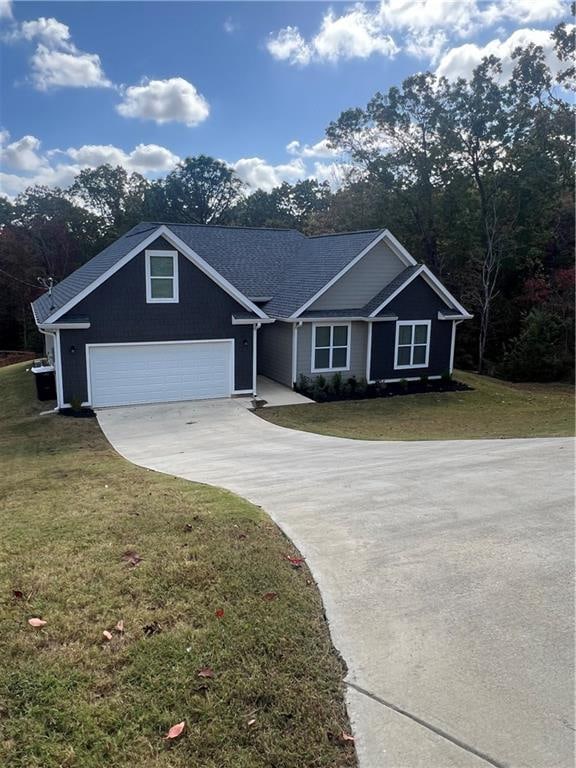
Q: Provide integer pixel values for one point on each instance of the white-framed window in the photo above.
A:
(162, 277)
(412, 348)
(330, 347)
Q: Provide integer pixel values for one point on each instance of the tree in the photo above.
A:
(395, 140)
(200, 190)
(113, 194)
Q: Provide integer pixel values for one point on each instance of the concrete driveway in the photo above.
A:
(445, 568)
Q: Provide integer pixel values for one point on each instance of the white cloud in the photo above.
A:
(320, 149)
(144, 158)
(59, 167)
(461, 61)
(164, 101)
(356, 34)
(334, 173)
(289, 45)
(259, 174)
(51, 32)
(230, 26)
(423, 28)
(57, 62)
(52, 69)
(22, 155)
(5, 9)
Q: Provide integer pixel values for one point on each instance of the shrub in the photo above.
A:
(540, 352)
(403, 385)
(424, 380)
(76, 404)
(303, 384)
(361, 388)
(336, 383)
(446, 378)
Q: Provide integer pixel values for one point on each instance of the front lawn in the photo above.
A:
(493, 409)
(201, 582)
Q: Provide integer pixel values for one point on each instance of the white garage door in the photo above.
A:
(126, 374)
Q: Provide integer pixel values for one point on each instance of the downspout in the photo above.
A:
(54, 336)
(453, 343)
(255, 329)
(295, 327)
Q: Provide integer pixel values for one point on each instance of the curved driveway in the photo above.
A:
(446, 569)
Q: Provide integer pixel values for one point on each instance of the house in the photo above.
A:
(174, 312)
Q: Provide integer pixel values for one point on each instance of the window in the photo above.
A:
(162, 277)
(412, 344)
(331, 348)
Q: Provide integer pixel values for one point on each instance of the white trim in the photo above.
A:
(406, 378)
(180, 245)
(369, 352)
(242, 392)
(442, 316)
(453, 344)
(174, 277)
(398, 290)
(396, 247)
(336, 319)
(252, 320)
(330, 347)
(399, 324)
(63, 326)
(160, 343)
(436, 286)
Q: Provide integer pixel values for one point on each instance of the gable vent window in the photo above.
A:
(162, 277)
(331, 348)
(412, 344)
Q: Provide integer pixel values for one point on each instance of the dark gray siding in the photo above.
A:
(119, 313)
(275, 352)
(416, 302)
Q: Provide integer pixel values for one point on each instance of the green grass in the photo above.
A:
(70, 507)
(494, 409)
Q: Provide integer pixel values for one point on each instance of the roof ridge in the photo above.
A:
(352, 232)
(221, 226)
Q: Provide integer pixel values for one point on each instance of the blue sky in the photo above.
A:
(255, 84)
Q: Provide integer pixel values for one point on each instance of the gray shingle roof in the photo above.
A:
(281, 263)
(389, 289)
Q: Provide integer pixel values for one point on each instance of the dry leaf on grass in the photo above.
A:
(346, 737)
(107, 635)
(131, 557)
(176, 730)
(270, 596)
(219, 613)
(17, 594)
(252, 722)
(120, 627)
(206, 672)
(296, 562)
(35, 622)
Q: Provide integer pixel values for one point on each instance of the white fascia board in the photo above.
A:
(334, 319)
(63, 326)
(398, 290)
(443, 292)
(252, 321)
(181, 246)
(395, 247)
(443, 316)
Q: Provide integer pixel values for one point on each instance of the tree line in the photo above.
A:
(474, 176)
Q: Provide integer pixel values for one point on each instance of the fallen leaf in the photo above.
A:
(252, 722)
(206, 672)
(346, 737)
(107, 635)
(152, 629)
(176, 730)
(296, 562)
(270, 595)
(242, 535)
(35, 622)
(120, 627)
(131, 557)
(219, 613)
(18, 594)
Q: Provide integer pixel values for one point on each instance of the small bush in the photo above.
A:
(446, 378)
(403, 385)
(424, 380)
(336, 383)
(303, 384)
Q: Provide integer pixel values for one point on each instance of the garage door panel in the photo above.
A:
(157, 373)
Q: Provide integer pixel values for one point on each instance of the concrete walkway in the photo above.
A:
(446, 569)
(271, 393)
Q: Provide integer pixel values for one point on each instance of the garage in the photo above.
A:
(130, 374)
